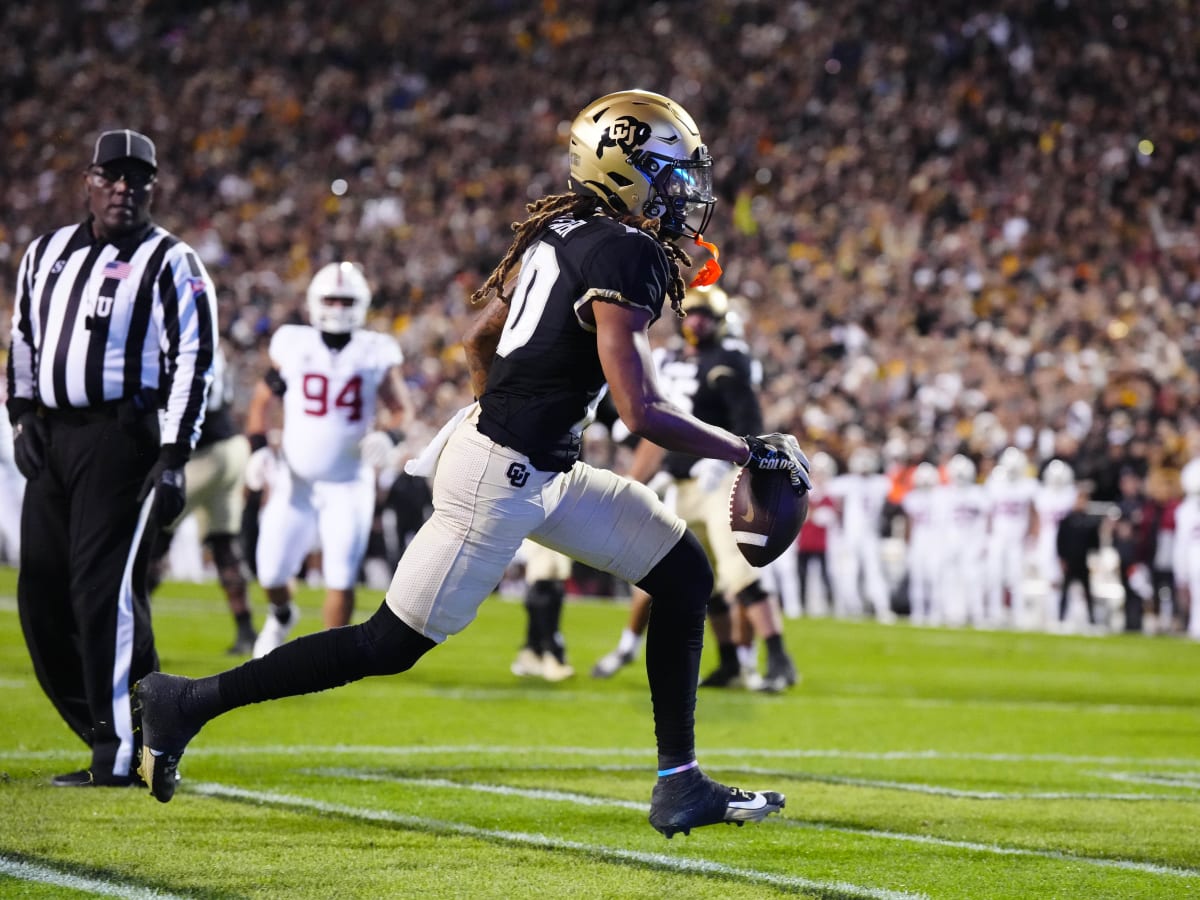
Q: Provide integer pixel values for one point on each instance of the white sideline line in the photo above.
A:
(587, 800)
(23, 871)
(961, 794)
(647, 755)
(1164, 779)
(564, 693)
(657, 860)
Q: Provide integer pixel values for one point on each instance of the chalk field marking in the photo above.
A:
(915, 787)
(657, 860)
(875, 698)
(648, 756)
(1186, 780)
(930, 840)
(23, 871)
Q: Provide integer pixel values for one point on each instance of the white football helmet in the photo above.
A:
(925, 475)
(961, 469)
(338, 298)
(863, 461)
(1012, 463)
(823, 465)
(642, 153)
(1189, 478)
(1058, 473)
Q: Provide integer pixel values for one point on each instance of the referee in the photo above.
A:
(112, 355)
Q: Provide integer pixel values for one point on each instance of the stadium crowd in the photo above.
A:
(950, 232)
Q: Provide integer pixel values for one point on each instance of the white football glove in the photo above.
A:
(710, 473)
(258, 468)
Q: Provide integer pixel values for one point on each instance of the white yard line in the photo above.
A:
(916, 787)
(23, 871)
(657, 860)
(1164, 779)
(644, 754)
(565, 693)
(588, 800)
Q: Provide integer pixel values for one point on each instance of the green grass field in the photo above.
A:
(917, 763)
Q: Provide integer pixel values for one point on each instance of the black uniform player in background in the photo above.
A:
(712, 375)
(216, 493)
(567, 312)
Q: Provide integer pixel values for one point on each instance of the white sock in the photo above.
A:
(630, 642)
(748, 657)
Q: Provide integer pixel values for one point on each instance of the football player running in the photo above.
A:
(567, 312)
(329, 376)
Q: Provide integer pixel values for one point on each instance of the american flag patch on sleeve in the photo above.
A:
(117, 269)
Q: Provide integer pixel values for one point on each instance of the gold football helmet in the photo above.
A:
(642, 153)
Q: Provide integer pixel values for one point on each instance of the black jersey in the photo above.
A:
(546, 380)
(715, 383)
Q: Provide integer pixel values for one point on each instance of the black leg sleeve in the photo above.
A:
(680, 585)
(382, 645)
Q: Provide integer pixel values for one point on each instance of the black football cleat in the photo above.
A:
(85, 778)
(781, 675)
(723, 675)
(81, 778)
(165, 730)
(691, 800)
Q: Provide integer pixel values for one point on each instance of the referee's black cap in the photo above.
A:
(124, 144)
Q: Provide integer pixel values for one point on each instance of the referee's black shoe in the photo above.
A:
(165, 730)
(85, 778)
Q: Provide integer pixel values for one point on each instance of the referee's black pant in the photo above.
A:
(81, 590)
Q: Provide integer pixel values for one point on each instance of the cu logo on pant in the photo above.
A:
(517, 474)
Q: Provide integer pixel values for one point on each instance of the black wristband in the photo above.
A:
(175, 455)
(258, 440)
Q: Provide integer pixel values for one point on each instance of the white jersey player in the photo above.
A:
(963, 511)
(861, 494)
(1054, 498)
(329, 376)
(1010, 495)
(1186, 555)
(924, 537)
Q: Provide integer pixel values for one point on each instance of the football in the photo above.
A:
(765, 513)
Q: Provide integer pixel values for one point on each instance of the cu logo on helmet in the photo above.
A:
(626, 133)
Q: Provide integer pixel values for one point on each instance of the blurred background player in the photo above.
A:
(1076, 538)
(711, 375)
(964, 506)
(545, 652)
(812, 545)
(861, 494)
(924, 535)
(216, 494)
(329, 375)
(1010, 496)
(1052, 501)
(1186, 552)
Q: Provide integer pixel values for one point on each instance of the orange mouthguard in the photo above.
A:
(711, 270)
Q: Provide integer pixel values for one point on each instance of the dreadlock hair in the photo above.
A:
(581, 205)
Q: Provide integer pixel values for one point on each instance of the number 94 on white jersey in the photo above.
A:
(329, 404)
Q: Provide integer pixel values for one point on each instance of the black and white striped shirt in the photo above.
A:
(97, 321)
